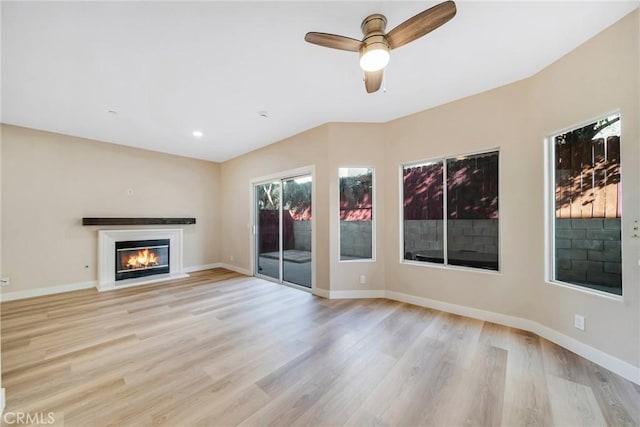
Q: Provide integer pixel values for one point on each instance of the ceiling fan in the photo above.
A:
(375, 45)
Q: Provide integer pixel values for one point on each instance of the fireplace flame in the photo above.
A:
(144, 258)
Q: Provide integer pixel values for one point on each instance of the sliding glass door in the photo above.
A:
(283, 230)
(296, 230)
(268, 229)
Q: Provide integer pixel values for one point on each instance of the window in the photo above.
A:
(588, 206)
(469, 236)
(356, 214)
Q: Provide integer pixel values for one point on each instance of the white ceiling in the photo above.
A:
(169, 68)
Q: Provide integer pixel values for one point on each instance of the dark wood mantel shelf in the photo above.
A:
(137, 221)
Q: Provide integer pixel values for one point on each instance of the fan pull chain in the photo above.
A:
(384, 83)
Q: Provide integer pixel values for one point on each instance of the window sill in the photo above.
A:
(451, 267)
(585, 290)
(348, 261)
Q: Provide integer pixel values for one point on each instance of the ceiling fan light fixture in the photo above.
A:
(374, 57)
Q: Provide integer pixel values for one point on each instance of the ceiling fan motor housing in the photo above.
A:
(373, 24)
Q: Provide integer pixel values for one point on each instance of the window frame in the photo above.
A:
(445, 174)
(374, 215)
(550, 211)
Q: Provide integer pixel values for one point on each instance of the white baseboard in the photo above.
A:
(321, 293)
(235, 268)
(217, 265)
(374, 293)
(69, 287)
(201, 267)
(488, 316)
(599, 357)
(620, 367)
(50, 290)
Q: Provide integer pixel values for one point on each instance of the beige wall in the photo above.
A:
(326, 148)
(51, 181)
(491, 120)
(306, 149)
(595, 79)
(353, 145)
(599, 77)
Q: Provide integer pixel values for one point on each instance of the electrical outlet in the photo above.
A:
(363, 279)
(578, 322)
(5, 281)
(231, 258)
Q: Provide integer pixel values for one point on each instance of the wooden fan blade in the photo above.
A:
(334, 41)
(421, 24)
(373, 80)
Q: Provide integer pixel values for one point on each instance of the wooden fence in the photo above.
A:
(269, 230)
(423, 192)
(472, 189)
(355, 210)
(588, 179)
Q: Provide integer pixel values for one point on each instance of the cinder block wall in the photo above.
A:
(480, 235)
(355, 238)
(588, 251)
(302, 235)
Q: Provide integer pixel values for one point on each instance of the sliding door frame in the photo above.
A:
(280, 176)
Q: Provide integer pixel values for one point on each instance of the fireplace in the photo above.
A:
(140, 258)
(137, 257)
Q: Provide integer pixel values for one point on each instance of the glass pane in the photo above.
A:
(296, 230)
(356, 213)
(268, 233)
(423, 217)
(472, 211)
(588, 206)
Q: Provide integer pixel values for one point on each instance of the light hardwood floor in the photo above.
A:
(219, 348)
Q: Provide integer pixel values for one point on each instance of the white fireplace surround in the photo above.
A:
(106, 256)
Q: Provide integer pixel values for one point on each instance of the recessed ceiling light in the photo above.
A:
(197, 133)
